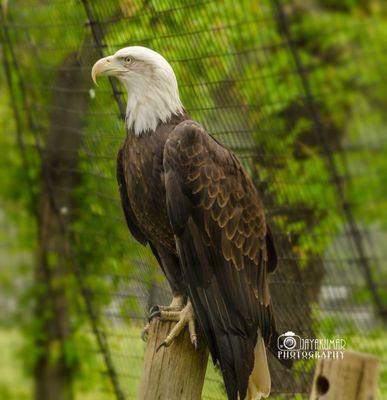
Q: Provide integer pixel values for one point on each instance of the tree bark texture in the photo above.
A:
(52, 372)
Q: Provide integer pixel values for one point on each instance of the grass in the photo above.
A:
(14, 383)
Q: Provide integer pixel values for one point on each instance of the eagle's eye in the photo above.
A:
(127, 60)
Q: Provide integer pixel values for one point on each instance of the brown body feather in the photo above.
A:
(140, 176)
(189, 197)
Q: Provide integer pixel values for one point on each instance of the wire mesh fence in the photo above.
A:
(295, 88)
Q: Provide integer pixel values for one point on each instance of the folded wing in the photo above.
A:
(224, 249)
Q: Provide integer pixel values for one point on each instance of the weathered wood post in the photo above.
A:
(174, 373)
(355, 377)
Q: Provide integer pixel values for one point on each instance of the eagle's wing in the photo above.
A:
(129, 215)
(219, 225)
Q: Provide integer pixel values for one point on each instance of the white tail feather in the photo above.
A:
(259, 381)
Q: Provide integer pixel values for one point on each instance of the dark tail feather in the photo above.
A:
(233, 351)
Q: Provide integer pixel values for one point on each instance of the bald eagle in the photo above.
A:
(188, 197)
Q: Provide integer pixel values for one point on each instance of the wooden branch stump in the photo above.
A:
(176, 372)
(355, 377)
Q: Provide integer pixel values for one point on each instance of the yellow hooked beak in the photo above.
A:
(102, 67)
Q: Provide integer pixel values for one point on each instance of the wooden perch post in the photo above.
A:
(355, 377)
(174, 373)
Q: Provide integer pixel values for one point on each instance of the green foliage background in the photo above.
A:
(238, 77)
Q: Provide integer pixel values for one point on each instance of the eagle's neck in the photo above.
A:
(149, 103)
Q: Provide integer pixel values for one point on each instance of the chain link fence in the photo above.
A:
(296, 88)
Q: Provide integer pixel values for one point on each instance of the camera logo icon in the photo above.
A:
(289, 341)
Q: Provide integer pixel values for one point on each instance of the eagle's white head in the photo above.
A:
(153, 94)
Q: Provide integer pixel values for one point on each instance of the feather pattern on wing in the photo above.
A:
(221, 234)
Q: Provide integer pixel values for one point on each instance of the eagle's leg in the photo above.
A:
(184, 317)
(176, 305)
(171, 268)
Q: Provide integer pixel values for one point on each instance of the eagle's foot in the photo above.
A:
(184, 317)
(176, 305)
